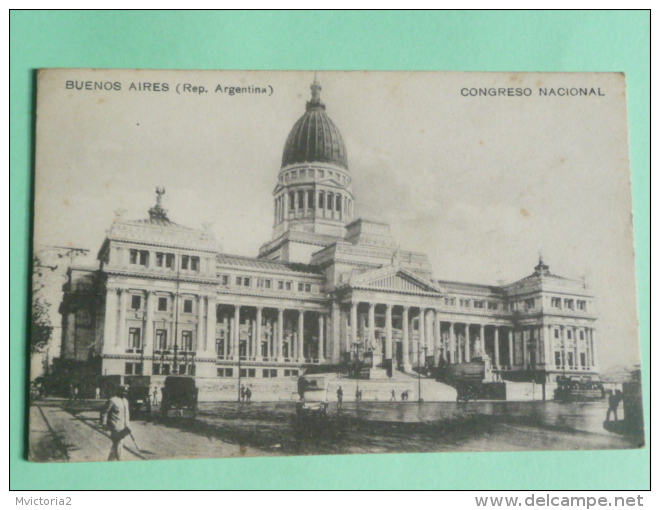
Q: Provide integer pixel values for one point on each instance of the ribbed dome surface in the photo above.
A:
(315, 138)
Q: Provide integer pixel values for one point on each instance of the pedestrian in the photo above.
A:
(115, 417)
(613, 401)
(155, 399)
(340, 395)
(97, 393)
(403, 396)
(75, 393)
(71, 392)
(393, 397)
(248, 394)
(357, 395)
(242, 392)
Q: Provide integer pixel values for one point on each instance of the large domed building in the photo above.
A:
(326, 292)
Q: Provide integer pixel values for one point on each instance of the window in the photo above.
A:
(186, 341)
(248, 372)
(530, 303)
(310, 200)
(191, 263)
(301, 199)
(478, 304)
(134, 337)
(136, 302)
(220, 346)
(224, 279)
(581, 335)
(568, 303)
(450, 301)
(465, 302)
(133, 369)
(569, 361)
(140, 257)
(557, 359)
(164, 260)
(225, 372)
(569, 334)
(492, 305)
(266, 373)
(246, 281)
(161, 339)
(555, 302)
(187, 306)
(301, 287)
(308, 287)
(556, 333)
(582, 305)
(162, 304)
(321, 199)
(289, 285)
(583, 359)
(239, 280)
(264, 283)
(338, 203)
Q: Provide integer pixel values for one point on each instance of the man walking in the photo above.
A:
(115, 417)
(340, 395)
(393, 397)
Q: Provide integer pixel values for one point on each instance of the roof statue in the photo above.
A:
(157, 212)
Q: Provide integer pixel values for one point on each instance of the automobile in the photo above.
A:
(179, 399)
(138, 396)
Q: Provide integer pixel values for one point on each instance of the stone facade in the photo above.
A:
(327, 288)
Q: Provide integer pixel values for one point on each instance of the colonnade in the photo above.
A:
(257, 333)
(308, 203)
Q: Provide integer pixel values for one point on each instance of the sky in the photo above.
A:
(481, 184)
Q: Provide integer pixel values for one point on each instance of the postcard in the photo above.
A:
(251, 263)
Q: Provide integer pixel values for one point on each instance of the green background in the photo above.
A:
(457, 41)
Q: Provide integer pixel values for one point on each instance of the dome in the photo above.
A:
(315, 138)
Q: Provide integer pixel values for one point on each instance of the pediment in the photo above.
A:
(394, 279)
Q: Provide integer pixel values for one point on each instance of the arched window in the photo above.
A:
(292, 201)
(301, 199)
(310, 199)
(321, 200)
(338, 203)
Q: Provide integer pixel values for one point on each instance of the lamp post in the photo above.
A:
(356, 350)
(419, 372)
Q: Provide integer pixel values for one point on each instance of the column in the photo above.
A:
(353, 326)
(147, 344)
(510, 338)
(280, 335)
(388, 332)
(497, 347)
(421, 340)
(336, 330)
(110, 320)
(405, 327)
(301, 333)
(258, 334)
(452, 344)
(576, 349)
(211, 316)
(235, 351)
(321, 349)
(372, 325)
(121, 328)
(437, 335)
(467, 343)
(564, 357)
(482, 340)
(594, 350)
(524, 346)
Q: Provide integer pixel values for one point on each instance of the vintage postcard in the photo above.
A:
(289, 263)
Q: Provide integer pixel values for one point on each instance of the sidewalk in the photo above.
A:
(57, 435)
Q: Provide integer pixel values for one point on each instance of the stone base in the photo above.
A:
(378, 374)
